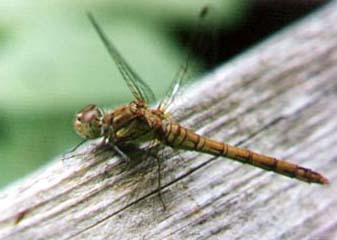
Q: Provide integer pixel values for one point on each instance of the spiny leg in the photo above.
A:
(121, 153)
(98, 148)
(64, 156)
(159, 184)
(153, 145)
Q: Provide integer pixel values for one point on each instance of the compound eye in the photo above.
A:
(90, 116)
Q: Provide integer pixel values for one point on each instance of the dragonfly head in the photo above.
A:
(88, 122)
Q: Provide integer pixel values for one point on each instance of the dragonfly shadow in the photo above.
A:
(141, 170)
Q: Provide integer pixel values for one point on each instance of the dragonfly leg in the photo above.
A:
(121, 153)
(150, 153)
(111, 142)
(159, 184)
(65, 157)
(98, 148)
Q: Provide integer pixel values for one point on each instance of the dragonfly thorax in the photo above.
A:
(134, 122)
(88, 122)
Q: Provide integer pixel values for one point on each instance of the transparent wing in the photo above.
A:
(140, 90)
(175, 87)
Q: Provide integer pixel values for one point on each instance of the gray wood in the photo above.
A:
(279, 98)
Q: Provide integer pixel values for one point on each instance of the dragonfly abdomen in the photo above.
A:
(180, 137)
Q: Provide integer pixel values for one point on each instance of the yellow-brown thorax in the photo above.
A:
(134, 122)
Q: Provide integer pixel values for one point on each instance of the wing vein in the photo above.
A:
(140, 90)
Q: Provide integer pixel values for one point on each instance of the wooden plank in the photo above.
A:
(279, 98)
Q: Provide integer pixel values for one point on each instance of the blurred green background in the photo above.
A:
(52, 64)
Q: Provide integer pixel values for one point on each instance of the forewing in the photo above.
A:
(174, 88)
(140, 90)
(179, 78)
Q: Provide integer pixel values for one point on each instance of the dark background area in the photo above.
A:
(262, 19)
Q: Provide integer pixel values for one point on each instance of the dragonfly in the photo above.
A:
(136, 122)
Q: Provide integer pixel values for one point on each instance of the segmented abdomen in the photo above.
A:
(180, 137)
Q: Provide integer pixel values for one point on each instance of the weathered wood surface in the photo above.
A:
(279, 98)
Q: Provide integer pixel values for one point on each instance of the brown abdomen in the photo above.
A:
(180, 137)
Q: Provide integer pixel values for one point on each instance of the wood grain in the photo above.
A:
(278, 98)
